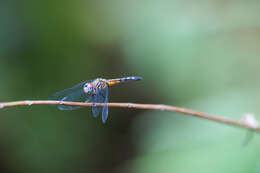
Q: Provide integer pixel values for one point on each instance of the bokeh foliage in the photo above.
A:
(202, 55)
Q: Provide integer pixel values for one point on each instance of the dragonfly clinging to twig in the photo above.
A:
(95, 91)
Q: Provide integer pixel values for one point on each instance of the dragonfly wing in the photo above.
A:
(96, 99)
(105, 108)
(75, 94)
(95, 109)
(61, 94)
(78, 96)
(99, 97)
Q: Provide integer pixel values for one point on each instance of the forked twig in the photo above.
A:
(218, 119)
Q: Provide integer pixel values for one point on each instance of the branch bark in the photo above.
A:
(217, 119)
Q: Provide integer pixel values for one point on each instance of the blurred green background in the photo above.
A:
(202, 55)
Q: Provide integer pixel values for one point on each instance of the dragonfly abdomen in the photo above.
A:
(124, 79)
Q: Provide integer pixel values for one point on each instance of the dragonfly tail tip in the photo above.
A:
(138, 78)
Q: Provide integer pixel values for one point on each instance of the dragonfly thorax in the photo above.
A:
(95, 86)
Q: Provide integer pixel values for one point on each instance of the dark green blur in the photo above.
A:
(202, 55)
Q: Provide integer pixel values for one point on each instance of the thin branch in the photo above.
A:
(218, 119)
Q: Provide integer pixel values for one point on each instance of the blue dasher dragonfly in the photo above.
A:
(94, 91)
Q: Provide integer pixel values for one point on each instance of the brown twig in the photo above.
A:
(190, 112)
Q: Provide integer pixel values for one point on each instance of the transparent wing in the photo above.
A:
(101, 97)
(97, 98)
(61, 94)
(75, 94)
(105, 108)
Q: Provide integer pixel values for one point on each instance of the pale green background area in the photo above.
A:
(202, 55)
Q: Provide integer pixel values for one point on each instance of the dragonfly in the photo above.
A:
(93, 91)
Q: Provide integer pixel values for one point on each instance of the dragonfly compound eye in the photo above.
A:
(88, 88)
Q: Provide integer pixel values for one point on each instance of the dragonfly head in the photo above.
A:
(88, 88)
